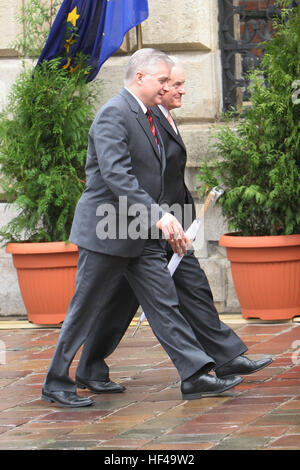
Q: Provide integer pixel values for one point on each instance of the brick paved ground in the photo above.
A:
(263, 412)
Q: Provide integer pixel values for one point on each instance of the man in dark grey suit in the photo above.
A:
(194, 294)
(113, 228)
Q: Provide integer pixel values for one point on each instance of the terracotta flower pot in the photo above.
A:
(46, 275)
(266, 274)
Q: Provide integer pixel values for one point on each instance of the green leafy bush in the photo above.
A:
(259, 156)
(43, 143)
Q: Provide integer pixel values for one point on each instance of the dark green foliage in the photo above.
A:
(259, 163)
(43, 143)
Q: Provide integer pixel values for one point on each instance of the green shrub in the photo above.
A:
(43, 143)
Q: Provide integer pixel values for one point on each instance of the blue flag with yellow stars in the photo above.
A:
(95, 28)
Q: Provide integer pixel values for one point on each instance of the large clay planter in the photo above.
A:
(46, 275)
(266, 274)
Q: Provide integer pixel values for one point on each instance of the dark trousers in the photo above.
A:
(97, 282)
(195, 299)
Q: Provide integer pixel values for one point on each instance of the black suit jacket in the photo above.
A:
(175, 190)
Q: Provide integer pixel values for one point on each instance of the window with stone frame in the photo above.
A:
(243, 26)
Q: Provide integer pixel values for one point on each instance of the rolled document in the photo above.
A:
(191, 233)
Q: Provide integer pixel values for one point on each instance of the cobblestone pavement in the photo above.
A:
(263, 412)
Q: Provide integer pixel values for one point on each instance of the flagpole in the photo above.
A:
(139, 36)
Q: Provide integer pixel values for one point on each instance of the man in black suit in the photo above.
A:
(125, 190)
(194, 294)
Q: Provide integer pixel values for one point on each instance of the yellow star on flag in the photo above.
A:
(69, 42)
(67, 65)
(73, 17)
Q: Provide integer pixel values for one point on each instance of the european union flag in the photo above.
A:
(95, 28)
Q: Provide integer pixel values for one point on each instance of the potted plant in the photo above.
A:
(259, 167)
(43, 142)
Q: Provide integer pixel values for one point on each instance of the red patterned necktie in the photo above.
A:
(150, 120)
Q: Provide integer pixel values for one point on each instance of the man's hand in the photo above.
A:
(174, 234)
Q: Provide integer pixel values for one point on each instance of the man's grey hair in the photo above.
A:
(145, 60)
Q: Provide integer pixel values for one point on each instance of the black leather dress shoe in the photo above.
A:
(66, 399)
(206, 385)
(242, 365)
(98, 386)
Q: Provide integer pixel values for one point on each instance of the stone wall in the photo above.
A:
(187, 30)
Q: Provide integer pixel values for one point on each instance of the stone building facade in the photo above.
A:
(189, 31)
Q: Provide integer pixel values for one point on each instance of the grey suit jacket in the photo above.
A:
(123, 164)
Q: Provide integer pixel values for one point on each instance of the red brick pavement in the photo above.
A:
(263, 412)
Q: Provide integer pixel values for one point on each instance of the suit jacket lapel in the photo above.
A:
(167, 126)
(143, 121)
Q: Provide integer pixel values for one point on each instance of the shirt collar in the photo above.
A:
(166, 113)
(142, 105)
(163, 110)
